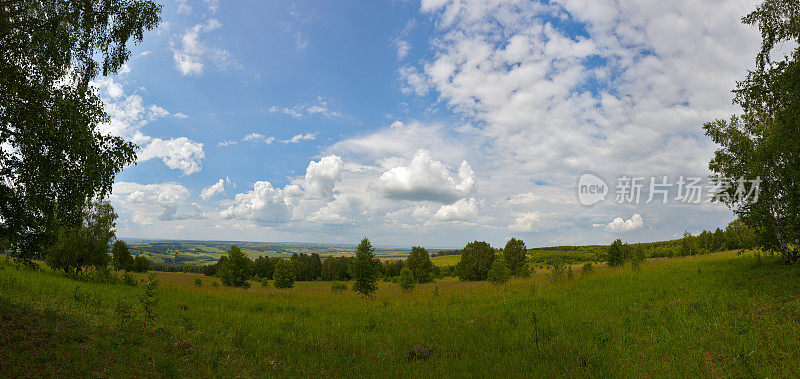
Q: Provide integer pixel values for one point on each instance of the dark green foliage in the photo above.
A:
(499, 272)
(264, 282)
(420, 264)
(363, 270)
(198, 282)
(49, 114)
(587, 268)
(140, 264)
(476, 259)
(236, 269)
(308, 267)
(637, 256)
(264, 267)
(687, 244)
(284, 274)
(763, 142)
(338, 287)
(615, 256)
(406, 280)
(120, 256)
(85, 244)
(336, 268)
(558, 270)
(129, 280)
(148, 299)
(393, 268)
(514, 255)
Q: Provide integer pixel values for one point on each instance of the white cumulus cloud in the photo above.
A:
(622, 226)
(427, 179)
(213, 190)
(322, 176)
(177, 153)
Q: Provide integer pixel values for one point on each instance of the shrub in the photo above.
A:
(420, 264)
(637, 257)
(514, 255)
(587, 268)
(363, 269)
(120, 256)
(148, 299)
(236, 269)
(214, 283)
(615, 255)
(406, 280)
(198, 282)
(129, 280)
(264, 282)
(284, 274)
(558, 270)
(338, 287)
(476, 259)
(141, 264)
(499, 272)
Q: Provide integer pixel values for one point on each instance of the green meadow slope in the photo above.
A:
(720, 314)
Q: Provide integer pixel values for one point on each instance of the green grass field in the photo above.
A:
(713, 315)
(446, 260)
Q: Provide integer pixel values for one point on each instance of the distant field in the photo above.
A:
(206, 252)
(714, 315)
(446, 260)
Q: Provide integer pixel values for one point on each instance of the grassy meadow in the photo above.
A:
(720, 314)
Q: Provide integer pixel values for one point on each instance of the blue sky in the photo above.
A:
(434, 122)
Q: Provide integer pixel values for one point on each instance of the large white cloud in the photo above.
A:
(427, 179)
(147, 203)
(177, 153)
(263, 204)
(622, 226)
(464, 210)
(322, 176)
(128, 115)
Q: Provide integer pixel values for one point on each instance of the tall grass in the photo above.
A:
(713, 315)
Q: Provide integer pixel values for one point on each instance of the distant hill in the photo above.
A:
(206, 252)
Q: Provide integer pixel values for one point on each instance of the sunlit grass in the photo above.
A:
(713, 315)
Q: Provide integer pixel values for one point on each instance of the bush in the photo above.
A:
(420, 264)
(476, 259)
(141, 264)
(284, 274)
(363, 269)
(616, 254)
(236, 269)
(198, 282)
(637, 257)
(499, 272)
(587, 268)
(264, 282)
(129, 280)
(406, 280)
(214, 283)
(338, 287)
(148, 299)
(558, 270)
(121, 257)
(514, 255)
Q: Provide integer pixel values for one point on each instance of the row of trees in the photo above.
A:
(479, 261)
(236, 269)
